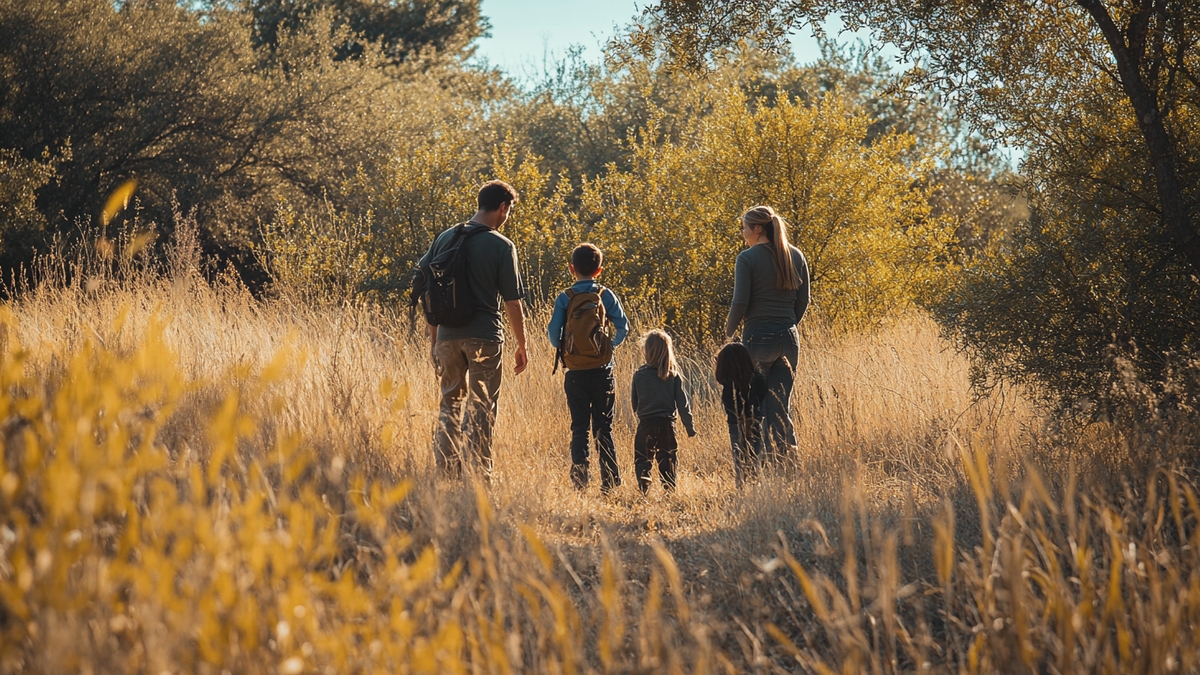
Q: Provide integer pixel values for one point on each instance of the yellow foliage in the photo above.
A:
(321, 256)
(668, 225)
(671, 224)
(542, 226)
(245, 540)
(229, 559)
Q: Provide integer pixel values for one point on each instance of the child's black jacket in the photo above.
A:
(739, 405)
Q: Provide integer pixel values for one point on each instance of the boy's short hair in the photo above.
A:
(587, 259)
(494, 193)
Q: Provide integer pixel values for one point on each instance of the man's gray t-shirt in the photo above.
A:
(494, 277)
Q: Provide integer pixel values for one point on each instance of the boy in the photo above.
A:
(577, 330)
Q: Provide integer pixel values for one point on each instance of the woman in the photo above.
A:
(770, 294)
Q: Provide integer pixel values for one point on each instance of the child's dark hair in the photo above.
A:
(735, 367)
(587, 259)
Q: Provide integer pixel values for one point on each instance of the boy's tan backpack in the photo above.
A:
(585, 342)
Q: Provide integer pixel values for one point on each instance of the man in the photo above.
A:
(467, 358)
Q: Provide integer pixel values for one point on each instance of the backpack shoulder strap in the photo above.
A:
(457, 232)
(461, 233)
(472, 231)
(571, 293)
(600, 294)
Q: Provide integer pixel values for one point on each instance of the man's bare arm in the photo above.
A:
(431, 330)
(516, 321)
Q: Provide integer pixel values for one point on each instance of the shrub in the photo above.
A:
(22, 226)
(672, 221)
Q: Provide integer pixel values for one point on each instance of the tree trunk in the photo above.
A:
(1162, 157)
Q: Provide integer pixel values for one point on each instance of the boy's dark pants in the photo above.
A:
(655, 441)
(591, 395)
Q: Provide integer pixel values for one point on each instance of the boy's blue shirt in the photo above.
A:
(612, 308)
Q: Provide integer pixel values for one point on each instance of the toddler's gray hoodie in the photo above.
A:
(656, 397)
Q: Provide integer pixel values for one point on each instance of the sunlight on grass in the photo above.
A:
(197, 481)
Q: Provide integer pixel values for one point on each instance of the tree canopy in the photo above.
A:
(402, 29)
(183, 100)
(1103, 98)
(1016, 68)
(322, 143)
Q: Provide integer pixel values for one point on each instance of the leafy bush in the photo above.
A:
(1071, 292)
(1095, 276)
(22, 225)
(319, 256)
(671, 222)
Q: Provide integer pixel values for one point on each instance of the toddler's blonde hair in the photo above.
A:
(660, 353)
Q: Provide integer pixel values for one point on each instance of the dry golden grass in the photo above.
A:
(262, 457)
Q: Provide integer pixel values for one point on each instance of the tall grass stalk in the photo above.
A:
(199, 481)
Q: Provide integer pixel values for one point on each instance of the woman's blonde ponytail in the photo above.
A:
(785, 271)
(775, 228)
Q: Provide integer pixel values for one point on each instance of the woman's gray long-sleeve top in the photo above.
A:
(757, 299)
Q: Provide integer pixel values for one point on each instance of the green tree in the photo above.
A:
(181, 100)
(1104, 97)
(581, 117)
(403, 29)
(1014, 65)
(22, 226)
(1091, 276)
(1028, 321)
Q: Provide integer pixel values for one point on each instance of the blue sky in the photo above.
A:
(526, 34)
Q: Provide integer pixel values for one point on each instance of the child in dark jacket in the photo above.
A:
(657, 393)
(743, 390)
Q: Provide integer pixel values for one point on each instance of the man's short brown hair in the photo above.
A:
(496, 192)
(587, 259)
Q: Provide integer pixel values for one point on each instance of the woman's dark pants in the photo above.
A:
(590, 398)
(653, 442)
(775, 354)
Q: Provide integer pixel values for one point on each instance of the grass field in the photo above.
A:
(197, 481)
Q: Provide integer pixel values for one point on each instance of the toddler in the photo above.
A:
(743, 390)
(657, 394)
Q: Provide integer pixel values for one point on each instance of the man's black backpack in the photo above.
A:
(440, 281)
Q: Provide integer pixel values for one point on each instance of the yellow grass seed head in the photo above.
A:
(117, 201)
